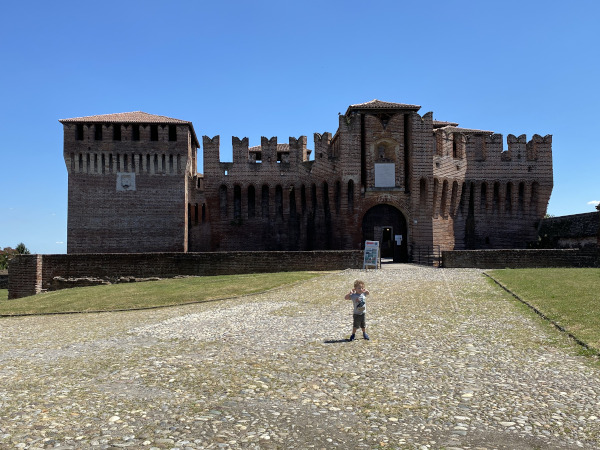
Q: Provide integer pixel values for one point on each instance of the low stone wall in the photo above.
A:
(32, 274)
(516, 259)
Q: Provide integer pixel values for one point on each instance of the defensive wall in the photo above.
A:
(33, 274)
(520, 259)
(573, 231)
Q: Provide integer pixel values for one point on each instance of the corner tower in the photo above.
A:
(129, 175)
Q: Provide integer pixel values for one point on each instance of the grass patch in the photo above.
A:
(568, 297)
(148, 294)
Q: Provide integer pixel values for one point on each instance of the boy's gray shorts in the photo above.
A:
(359, 321)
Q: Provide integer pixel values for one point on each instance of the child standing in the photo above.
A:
(358, 296)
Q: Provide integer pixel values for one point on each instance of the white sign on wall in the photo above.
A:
(385, 175)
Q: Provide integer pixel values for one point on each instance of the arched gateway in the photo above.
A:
(387, 224)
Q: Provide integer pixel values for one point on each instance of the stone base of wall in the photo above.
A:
(518, 259)
(32, 274)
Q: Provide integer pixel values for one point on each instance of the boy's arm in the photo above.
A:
(366, 292)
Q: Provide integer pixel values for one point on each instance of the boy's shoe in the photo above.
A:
(366, 336)
(351, 337)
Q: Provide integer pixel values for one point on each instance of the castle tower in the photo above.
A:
(129, 177)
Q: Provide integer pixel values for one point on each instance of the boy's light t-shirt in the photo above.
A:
(360, 303)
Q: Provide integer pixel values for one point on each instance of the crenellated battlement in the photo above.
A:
(268, 154)
(490, 147)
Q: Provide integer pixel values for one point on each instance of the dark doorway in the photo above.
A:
(386, 224)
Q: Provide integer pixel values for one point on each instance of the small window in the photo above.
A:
(79, 132)
(116, 132)
(98, 132)
(172, 133)
(154, 132)
(135, 132)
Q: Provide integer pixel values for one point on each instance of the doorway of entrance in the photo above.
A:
(386, 224)
(387, 243)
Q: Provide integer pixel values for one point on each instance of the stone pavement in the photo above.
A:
(454, 362)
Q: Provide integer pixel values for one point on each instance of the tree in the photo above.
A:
(22, 250)
(7, 253)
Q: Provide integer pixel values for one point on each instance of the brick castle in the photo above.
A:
(388, 174)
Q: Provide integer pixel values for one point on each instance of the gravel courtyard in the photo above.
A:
(453, 362)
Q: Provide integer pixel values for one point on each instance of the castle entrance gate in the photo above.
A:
(386, 224)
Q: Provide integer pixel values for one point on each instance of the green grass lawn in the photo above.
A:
(148, 294)
(569, 297)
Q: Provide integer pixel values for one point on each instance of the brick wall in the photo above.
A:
(515, 259)
(577, 230)
(24, 276)
(30, 274)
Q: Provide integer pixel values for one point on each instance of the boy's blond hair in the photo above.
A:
(358, 283)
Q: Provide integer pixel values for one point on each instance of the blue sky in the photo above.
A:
(280, 68)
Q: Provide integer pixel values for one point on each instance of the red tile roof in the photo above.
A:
(126, 117)
(133, 117)
(378, 104)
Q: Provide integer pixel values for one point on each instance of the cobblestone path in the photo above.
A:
(453, 362)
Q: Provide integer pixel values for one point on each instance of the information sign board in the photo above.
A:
(371, 254)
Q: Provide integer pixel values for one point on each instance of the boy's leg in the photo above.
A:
(363, 325)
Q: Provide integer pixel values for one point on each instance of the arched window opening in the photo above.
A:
(292, 202)
(337, 198)
(251, 202)
(203, 212)
(351, 196)
(483, 197)
(314, 198)
(463, 198)
(521, 197)
(508, 199)
(237, 202)
(453, 198)
(265, 201)
(279, 202)
(423, 194)
(303, 199)
(223, 200)
(444, 200)
(496, 197)
(436, 187)
(326, 208)
(535, 193)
